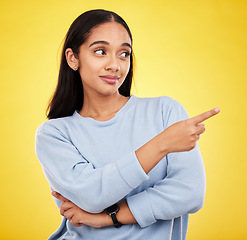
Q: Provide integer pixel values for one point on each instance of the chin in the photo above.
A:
(111, 90)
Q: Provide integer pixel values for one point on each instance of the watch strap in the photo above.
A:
(112, 211)
(116, 223)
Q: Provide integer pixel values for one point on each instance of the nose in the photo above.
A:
(113, 64)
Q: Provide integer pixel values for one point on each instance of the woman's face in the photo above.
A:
(104, 59)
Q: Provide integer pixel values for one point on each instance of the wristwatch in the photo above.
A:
(112, 211)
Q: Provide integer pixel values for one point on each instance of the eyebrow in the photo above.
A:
(106, 43)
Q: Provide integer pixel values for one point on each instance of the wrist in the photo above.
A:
(162, 144)
(124, 215)
(106, 220)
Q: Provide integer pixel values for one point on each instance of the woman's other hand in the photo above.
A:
(79, 217)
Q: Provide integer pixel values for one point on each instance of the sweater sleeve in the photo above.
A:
(182, 191)
(92, 189)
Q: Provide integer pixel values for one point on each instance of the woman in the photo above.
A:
(120, 167)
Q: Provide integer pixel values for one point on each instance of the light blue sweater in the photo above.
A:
(93, 164)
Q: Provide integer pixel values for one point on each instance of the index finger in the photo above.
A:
(206, 115)
(59, 196)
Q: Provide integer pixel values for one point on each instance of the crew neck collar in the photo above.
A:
(110, 121)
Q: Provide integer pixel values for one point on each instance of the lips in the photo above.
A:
(110, 79)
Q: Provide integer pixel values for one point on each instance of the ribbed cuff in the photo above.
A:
(131, 170)
(141, 209)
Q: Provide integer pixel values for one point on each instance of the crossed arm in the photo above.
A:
(179, 137)
(79, 217)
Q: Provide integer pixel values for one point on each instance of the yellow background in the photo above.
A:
(193, 51)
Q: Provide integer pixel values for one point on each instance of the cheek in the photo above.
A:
(90, 68)
(126, 68)
(96, 67)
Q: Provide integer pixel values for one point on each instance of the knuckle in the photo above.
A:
(191, 140)
(61, 207)
(192, 144)
(190, 148)
(202, 130)
(61, 211)
(76, 219)
(192, 132)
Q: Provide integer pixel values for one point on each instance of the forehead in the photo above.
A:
(111, 32)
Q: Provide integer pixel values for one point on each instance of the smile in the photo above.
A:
(110, 79)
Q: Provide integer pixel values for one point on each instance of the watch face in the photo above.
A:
(113, 208)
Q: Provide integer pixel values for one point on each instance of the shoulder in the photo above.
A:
(55, 127)
(164, 102)
(169, 109)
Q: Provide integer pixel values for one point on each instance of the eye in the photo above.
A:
(100, 52)
(125, 54)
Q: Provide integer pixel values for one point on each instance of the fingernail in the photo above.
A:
(217, 110)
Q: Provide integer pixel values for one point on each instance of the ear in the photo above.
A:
(72, 61)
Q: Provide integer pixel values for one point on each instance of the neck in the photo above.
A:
(102, 107)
